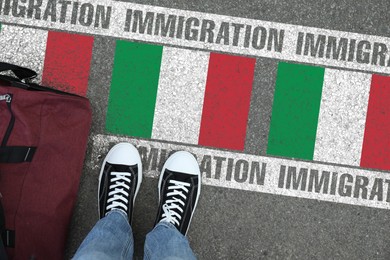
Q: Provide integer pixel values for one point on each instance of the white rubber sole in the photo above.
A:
(128, 156)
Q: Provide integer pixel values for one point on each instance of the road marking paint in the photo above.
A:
(67, 62)
(23, 46)
(342, 117)
(133, 89)
(180, 94)
(302, 179)
(226, 101)
(376, 142)
(210, 32)
(295, 111)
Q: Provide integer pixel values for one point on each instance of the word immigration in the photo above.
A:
(71, 12)
(212, 167)
(334, 183)
(204, 30)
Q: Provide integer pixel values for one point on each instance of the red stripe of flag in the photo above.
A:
(67, 62)
(376, 142)
(226, 102)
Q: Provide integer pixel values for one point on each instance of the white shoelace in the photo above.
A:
(118, 197)
(173, 206)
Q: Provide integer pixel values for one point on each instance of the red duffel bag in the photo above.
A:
(43, 135)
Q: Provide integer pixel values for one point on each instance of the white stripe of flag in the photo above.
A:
(180, 95)
(342, 117)
(24, 47)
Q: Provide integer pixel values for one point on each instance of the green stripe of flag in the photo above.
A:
(133, 89)
(295, 111)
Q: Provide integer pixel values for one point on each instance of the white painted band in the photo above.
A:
(363, 45)
(226, 169)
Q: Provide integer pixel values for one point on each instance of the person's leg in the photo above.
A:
(166, 242)
(111, 238)
(119, 182)
(179, 190)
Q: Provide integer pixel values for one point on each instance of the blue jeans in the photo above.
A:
(112, 238)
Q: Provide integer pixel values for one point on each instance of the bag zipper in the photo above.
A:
(6, 97)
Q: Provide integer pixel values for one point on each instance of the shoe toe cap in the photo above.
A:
(183, 161)
(124, 154)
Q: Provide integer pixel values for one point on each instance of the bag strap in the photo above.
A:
(3, 232)
(13, 154)
(17, 82)
(20, 72)
(16, 154)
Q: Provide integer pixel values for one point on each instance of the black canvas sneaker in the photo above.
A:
(179, 190)
(120, 179)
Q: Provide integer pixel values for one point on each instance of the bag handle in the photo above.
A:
(25, 74)
(21, 72)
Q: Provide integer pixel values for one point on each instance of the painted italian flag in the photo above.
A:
(331, 115)
(61, 59)
(180, 95)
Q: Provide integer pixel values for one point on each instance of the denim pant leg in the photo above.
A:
(111, 238)
(166, 242)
